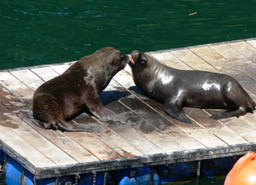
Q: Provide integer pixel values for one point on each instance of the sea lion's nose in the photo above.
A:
(135, 53)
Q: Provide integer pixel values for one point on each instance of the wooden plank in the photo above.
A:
(246, 49)
(16, 147)
(60, 68)
(236, 61)
(225, 50)
(45, 73)
(240, 127)
(28, 78)
(192, 60)
(252, 43)
(119, 144)
(13, 84)
(250, 119)
(93, 145)
(169, 60)
(209, 56)
(41, 144)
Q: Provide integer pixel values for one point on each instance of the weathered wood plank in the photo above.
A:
(17, 147)
(250, 119)
(192, 60)
(225, 50)
(236, 61)
(60, 68)
(168, 59)
(45, 73)
(240, 127)
(13, 84)
(245, 49)
(93, 145)
(41, 144)
(28, 78)
(252, 43)
(119, 144)
(209, 56)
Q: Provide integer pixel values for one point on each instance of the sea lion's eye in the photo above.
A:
(142, 61)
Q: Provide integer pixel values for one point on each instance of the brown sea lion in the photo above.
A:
(77, 90)
(179, 88)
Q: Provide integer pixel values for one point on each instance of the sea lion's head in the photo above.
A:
(140, 61)
(104, 64)
(110, 58)
(145, 69)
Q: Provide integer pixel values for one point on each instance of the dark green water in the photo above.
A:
(42, 32)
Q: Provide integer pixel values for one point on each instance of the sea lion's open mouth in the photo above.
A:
(131, 59)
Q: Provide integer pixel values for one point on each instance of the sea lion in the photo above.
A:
(192, 88)
(77, 90)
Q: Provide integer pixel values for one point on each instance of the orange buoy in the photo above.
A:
(243, 172)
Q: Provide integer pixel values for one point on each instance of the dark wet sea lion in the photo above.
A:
(179, 88)
(77, 89)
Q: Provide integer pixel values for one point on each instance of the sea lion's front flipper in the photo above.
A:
(107, 115)
(97, 109)
(102, 113)
(176, 112)
(230, 113)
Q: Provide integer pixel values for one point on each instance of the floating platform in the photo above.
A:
(151, 144)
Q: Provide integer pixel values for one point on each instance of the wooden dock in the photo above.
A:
(150, 137)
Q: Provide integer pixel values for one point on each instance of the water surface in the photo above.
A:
(43, 32)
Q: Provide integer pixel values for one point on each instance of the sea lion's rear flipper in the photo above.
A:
(230, 113)
(74, 127)
(176, 112)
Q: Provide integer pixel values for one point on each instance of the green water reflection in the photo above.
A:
(42, 32)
